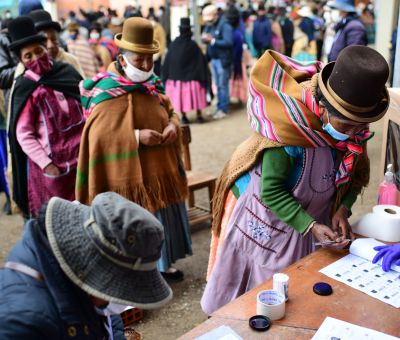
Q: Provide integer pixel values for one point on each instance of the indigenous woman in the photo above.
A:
(130, 143)
(45, 124)
(296, 178)
(185, 74)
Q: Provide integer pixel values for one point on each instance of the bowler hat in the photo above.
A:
(43, 21)
(185, 23)
(23, 32)
(343, 5)
(110, 250)
(354, 84)
(137, 36)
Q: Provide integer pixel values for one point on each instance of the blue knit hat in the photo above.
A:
(27, 6)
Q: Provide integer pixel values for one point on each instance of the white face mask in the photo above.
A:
(134, 74)
(335, 15)
(95, 35)
(111, 309)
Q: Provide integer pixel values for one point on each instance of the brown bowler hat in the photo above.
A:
(137, 36)
(355, 84)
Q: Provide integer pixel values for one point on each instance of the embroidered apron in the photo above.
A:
(63, 119)
(257, 243)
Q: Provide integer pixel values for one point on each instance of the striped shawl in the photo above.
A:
(282, 110)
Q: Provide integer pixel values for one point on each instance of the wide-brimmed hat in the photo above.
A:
(305, 12)
(110, 250)
(43, 21)
(355, 84)
(23, 32)
(343, 5)
(137, 36)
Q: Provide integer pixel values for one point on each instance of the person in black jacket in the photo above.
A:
(287, 30)
(8, 64)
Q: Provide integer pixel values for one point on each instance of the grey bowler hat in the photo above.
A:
(110, 250)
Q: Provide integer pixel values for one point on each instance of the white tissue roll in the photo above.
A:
(383, 223)
(271, 304)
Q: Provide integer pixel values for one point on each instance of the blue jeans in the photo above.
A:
(221, 77)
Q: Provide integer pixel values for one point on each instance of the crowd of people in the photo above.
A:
(91, 107)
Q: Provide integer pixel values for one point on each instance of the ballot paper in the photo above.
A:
(332, 329)
(220, 333)
(357, 271)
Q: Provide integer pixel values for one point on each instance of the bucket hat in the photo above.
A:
(43, 21)
(343, 5)
(137, 36)
(355, 84)
(109, 250)
(23, 32)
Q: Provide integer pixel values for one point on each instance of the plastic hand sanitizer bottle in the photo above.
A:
(388, 189)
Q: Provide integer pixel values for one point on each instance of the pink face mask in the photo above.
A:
(41, 65)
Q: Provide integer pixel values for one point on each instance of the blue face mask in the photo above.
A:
(73, 36)
(333, 132)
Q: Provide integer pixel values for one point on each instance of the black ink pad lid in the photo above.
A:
(260, 323)
(322, 288)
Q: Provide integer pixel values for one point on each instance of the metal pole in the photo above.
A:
(196, 23)
(396, 69)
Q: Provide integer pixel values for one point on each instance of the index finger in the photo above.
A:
(339, 245)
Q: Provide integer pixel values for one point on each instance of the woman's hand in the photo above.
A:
(323, 233)
(340, 223)
(150, 137)
(52, 170)
(170, 134)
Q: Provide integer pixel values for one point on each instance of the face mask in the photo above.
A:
(134, 74)
(95, 35)
(333, 132)
(41, 65)
(73, 36)
(111, 309)
(335, 15)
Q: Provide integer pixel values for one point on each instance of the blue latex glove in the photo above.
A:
(389, 253)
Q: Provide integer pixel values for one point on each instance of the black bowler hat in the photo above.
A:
(185, 23)
(355, 84)
(23, 32)
(43, 21)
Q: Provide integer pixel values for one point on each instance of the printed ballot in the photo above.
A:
(357, 271)
(337, 329)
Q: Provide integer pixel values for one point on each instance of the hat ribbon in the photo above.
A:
(111, 252)
(348, 106)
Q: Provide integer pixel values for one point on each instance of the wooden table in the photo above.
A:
(305, 311)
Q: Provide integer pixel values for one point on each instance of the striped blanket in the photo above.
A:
(107, 85)
(282, 110)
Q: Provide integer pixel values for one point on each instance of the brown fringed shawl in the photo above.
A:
(110, 158)
(283, 111)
